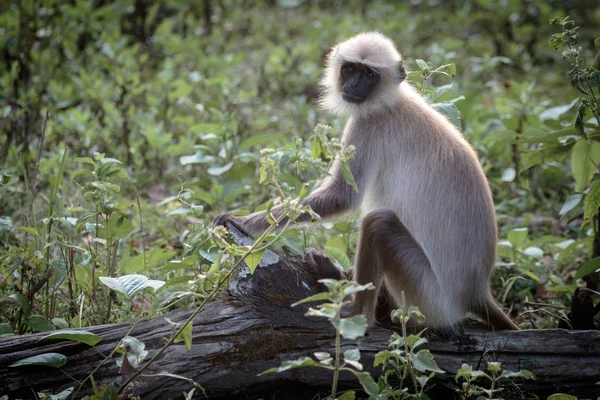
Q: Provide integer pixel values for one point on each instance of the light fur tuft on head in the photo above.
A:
(374, 50)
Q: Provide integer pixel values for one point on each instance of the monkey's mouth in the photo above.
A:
(351, 98)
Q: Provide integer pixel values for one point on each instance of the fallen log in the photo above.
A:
(251, 327)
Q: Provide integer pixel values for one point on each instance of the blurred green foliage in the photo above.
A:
(158, 111)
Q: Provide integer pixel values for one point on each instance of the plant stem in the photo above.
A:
(336, 371)
(406, 352)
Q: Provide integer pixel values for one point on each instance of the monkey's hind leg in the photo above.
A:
(388, 252)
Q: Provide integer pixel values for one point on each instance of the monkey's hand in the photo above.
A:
(225, 219)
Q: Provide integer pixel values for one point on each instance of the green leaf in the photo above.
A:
(185, 336)
(534, 252)
(525, 374)
(263, 140)
(447, 69)
(422, 64)
(571, 202)
(154, 258)
(450, 111)
(64, 395)
(349, 395)
(348, 177)
(588, 267)
(253, 259)
(39, 323)
(339, 256)
(317, 297)
(352, 328)
(28, 229)
(23, 302)
(423, 361)
(352, 355)
(583, 157)
(6, 224)
(592, 201)
(508, 175)
(561, 396)
(60, 323)
(129, 284)
(6, 329)
(134, 349)
(54, 360)
(516, 237)
(89, 338)
(85, 160)
(292, 364)
(219, 170)
(368, 384)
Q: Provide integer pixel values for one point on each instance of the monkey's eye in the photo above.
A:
(370, 75)
(348, 69)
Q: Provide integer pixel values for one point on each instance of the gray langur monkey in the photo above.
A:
(428, 219)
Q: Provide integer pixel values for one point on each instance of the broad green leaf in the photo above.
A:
(450, 111)
(349, 395)
(23, 302)
(519, 374)
(423, 361)
(263, 140)
(516, 237)
(352, 328)
(562, 396)
(185, 336)
(253, 259)
(583, 157)
(592, 201)
(508, 175)
(323, 310)
(81, 336)
(39, 323)
(6, 224)
(6, 329)
(134, 349)
(533, 251)
(348, 177)
(291, 364)
(28, 229)
(219, 170)
(154, 258)
(317, 297)
(60, 323)
(54, 360)
(447, 69)
(571, 202)
(129, 284)
(369, 385)
(64, 395)
(352, 355)
(558, 111)
(339, 256)
(588, 267)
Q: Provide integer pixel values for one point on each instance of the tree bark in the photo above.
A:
(251, 327)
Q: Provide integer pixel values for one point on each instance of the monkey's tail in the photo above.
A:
(493, 315)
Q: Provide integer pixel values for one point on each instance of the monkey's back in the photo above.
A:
(425, 171)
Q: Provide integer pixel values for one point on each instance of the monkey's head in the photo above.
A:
(362, 75)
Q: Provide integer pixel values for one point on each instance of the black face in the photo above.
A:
(358, 81)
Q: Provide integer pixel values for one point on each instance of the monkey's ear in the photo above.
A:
(401, 71)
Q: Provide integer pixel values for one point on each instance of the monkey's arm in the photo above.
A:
(333, 196)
